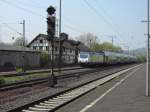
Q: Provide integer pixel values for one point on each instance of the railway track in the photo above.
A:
(52, 103)
(21, 84)
(31, 82)
(12, 74)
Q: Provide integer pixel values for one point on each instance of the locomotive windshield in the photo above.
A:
(83, 56)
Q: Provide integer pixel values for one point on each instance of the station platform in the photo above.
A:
(128, 96)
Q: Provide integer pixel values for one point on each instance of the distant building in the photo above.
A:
(69, 50)
(16, 56)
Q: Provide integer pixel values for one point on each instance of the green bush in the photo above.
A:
(2, 80)
(141, 58)
(19, 69)
(44, 59)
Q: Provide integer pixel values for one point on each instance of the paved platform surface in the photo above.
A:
(129, 96)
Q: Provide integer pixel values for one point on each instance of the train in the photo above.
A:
(104, 57)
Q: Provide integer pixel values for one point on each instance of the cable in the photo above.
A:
(106, 14)
(95, 11)
(72, 28)
(101, 16)
(12, 28)
(24, 9)
(28, 4)
(29, 11)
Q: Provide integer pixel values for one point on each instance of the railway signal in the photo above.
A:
(51, 21)
(51, 34)
(51, 26)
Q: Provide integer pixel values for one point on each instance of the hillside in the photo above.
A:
(140, 51)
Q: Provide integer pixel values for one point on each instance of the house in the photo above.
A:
(69, 50)
(41, 43)
(17, 56)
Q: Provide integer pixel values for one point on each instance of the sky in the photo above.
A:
(120, 19)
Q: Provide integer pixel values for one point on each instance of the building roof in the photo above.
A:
(83, 47)
(5, 47)
(67, 44)
(40, 35)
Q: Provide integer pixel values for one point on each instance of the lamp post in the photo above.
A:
(51, 20)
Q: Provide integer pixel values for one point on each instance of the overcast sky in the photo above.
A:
(103, 18)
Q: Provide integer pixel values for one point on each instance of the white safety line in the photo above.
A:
(108, 91)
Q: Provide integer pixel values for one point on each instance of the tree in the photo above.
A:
(88, 39)
(141, 57)
(110, 47)
(19, 41)
(92, 42)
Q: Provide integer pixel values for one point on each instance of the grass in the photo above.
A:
(8, 80)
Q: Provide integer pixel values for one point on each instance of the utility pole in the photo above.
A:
(23, 33)
(57, 28)
(128, 48)
(60, 36)
(112, 39)
(0, 34)
(147, 68)
(24, 45)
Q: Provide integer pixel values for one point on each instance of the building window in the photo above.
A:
(70, 50)
(56, 49)
(34, 47)
(41, 41)
(64, 49)
(69, 58)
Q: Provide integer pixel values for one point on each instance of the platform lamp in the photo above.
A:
(51, 20)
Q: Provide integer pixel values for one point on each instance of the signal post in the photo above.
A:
(51, 23)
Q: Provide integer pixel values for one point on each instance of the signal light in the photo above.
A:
(51, 25)
(51, 10)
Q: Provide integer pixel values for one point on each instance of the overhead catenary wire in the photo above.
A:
(31, 3)
(71, 27)
(105, 12)
(22, 8)
(108, 16)
(11, 28)
(101, 16)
